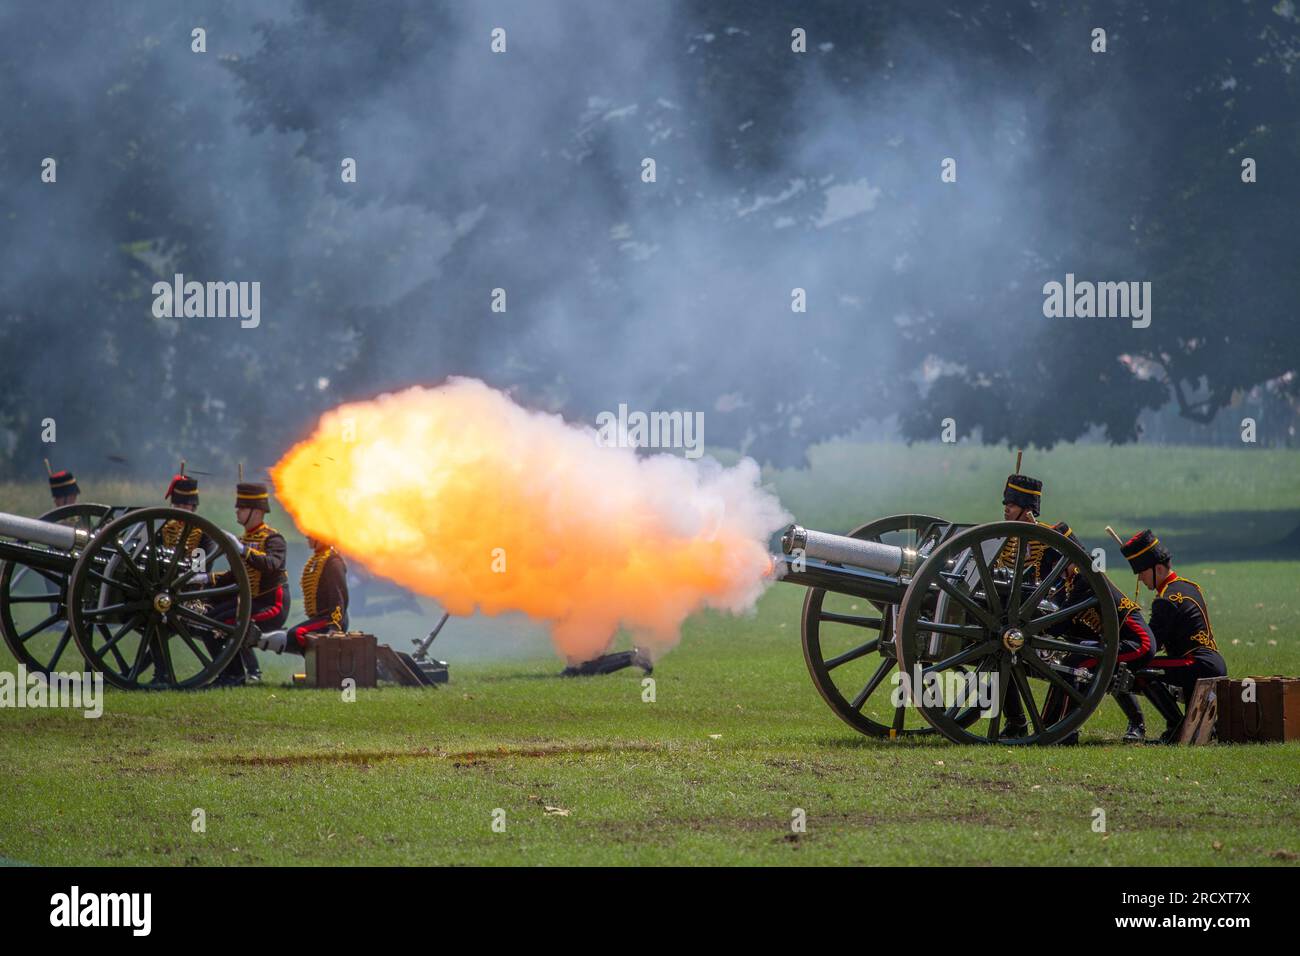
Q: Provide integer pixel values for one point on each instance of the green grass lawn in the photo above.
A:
(735, 741)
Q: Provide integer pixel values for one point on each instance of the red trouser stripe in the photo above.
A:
(271, 610)
(1144, 640)
(266, 613)
(302, 630)
(1142, 650)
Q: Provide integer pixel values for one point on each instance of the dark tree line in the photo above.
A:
(523, 173)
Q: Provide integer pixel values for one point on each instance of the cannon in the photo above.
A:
(913, 624)
(106, 580)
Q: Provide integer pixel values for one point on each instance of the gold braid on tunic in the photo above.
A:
(1091, 618)
(311, 573)
(254, 540)
(1033, 559)
(1205, 636)
(171, 534)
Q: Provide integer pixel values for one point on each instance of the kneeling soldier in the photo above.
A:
(1137, 644)
(324, 597)
(263, 550)
(1180, 620)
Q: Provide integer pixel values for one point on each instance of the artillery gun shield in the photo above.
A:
(137, 606)
(1012, 634)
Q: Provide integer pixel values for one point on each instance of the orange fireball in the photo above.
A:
(458, 493)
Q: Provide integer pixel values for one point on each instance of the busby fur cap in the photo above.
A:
(1144, 551)
(252, 494)
(1024, 491)
(63, 483)
(183, 490)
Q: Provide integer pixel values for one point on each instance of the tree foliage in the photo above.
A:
(775, 170)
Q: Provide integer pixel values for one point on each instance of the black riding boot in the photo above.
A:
(1056, 707)
(1137, 730)
(1015, 723)
(1163, 699)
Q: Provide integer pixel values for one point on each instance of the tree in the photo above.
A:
(776, 171)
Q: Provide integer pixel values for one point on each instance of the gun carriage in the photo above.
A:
(915, 609)
(105, 580)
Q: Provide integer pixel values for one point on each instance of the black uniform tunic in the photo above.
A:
(325, 598)
(264, 559)
(1136, 643)
(1180, 620)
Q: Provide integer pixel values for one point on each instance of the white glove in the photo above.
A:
(239, 545)
(271, 641)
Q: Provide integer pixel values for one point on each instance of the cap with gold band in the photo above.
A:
(1144, 551)
(1062, 528)
(183, 490)
(251, 494)
(63, 483)
(1025, 492)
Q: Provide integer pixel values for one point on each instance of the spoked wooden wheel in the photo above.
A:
(848, 644)
(1012, 636)
(33, 601)
(140, 610)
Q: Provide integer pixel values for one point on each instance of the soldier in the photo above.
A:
(63, 487)
(263, 550)
(1022, 498)
(1180, 620)
(1137, 645)
(324, 597)
(183, 493)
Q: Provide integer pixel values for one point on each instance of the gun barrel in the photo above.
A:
(61, 536)
(841, 549)
(842, 579)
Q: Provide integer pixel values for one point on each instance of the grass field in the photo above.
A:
(736, 739)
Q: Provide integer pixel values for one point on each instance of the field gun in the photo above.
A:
(908, 620)
(105, 579)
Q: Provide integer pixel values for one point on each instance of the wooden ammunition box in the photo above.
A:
(1273, 715)
(1200, 725)
(335, 657)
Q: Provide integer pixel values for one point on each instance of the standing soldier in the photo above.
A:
(324, 598)
(1180, 619)
(1022, 498)
(183, 493)
(263, 550)
(63, 487)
